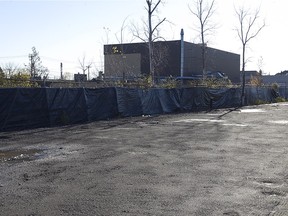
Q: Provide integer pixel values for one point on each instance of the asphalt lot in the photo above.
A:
(225, 162)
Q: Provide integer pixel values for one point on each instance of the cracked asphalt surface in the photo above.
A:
(224, 162)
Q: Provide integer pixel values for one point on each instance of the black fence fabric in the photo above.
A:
(66, 106)
(257, 95)
(23, 108)
(129, 102)
(101, 103)
(283, 92)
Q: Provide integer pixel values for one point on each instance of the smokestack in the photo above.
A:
(182, 53)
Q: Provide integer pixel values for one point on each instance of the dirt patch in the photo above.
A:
(20, 155)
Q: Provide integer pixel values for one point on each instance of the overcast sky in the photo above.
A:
(66, 31)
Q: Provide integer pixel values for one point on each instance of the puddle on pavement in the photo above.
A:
(199, 120)
(273, 193)
(237, 125)
(20, 155)
(251, 111)
(279, 122)
(282, 104)
(270, 182)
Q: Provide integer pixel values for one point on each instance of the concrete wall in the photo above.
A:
(124, 65)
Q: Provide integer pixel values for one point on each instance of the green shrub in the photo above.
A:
(275, 86)
(169, 82)
(259, 102)
(280, 99)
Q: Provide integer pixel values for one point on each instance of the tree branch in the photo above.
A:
(158, 25)
(159, 1)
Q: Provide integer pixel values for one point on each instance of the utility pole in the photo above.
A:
(61, 71)
(182, 54)
(88, 69)
(31, 65)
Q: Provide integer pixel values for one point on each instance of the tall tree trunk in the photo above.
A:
(150, 47)
(203, 56)
(243, 76)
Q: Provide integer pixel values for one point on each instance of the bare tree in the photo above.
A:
(37, 70)
(120, 34)
(203, 10)
(260, 64)
(95, 70)
(85, 65)
(107, 32)
(160, 56)
(9, 69)
(150, 31)
(82, 64)
(121, 40)
(248, 29)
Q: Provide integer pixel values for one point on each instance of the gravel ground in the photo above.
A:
(224, 162)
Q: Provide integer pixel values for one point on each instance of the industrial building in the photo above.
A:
(128, 61)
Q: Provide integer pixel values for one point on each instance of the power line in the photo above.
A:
(54, 59)
(49, 58)
(13, 56)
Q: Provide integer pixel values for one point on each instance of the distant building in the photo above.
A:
(251, 76)
(132, 60)
(281, 80)
(80, 77)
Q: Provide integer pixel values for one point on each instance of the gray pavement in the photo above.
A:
(224, 162)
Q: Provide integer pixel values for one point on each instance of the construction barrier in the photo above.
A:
(24, 108)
